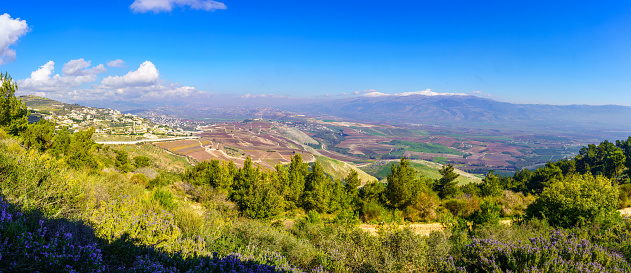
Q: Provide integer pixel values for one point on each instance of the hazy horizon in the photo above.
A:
(562, 53)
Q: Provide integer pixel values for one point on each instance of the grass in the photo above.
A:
(440, 159)
(423, 147)
(381, 170)
(339, 170)
(161, 158)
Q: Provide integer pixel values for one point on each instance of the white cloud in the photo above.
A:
(75, 73)
(143, 84)
(116, 63)
(156, 6)
(427, 92)
(146, 75)
(79, 68)
(10, 31)
(139, 86)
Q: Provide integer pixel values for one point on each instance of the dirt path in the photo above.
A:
(427, 228)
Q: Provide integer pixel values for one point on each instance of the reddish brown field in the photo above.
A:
(237, 141)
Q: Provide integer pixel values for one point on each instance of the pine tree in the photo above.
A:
(13, 112)
(296, 180)
(447, 185)
(402, 182)
(316, 195)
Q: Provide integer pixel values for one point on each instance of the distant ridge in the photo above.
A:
(471, 111)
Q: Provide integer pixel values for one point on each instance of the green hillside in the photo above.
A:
(338, 169)
(381, 169)
(46, 105)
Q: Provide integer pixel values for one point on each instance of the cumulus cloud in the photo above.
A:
(75, 73)
(142, 84)
(427, 92)
(157, 6)
(79, 67)
(116, 63)
(146, 75)
(10, 31)
(138, 86)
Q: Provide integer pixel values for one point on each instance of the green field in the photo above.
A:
(381, 169)
(423, 147)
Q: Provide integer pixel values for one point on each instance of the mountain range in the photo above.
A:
(473, 112)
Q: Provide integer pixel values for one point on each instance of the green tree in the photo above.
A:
(297, 173)
(605, 159)
(142, 161)
(39, 135)
(447, 185)
(352, 181)
(80, 152)
(13, 112)
(122, 161)
(255, 193)
(402, 182)
(625, 146)
(543, 176)
(61, 142)
(351, 185)
(491, 185)
(487, 215)
(317, 190)
(575, 200)
(212, 173)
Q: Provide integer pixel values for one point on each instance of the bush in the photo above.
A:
(423, 208)
(463, 206)
(373, 211)
(164, 198)
(142, 161)
(3, 134)
(32, 248)
(574, 201)
(488, 215)
(514, 204)
(139, 179)
(558, 253)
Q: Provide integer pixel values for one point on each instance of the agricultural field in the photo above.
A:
(470, 150)
(262, 141)
(269, 142)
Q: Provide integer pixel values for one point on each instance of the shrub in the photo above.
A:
(3, 134)
(574, 201)
(26, 248)
(423, 208)
(164, 198)
(139, 179)
(488, 215)
(558, 253)
(142, 161)
(514, 204)
(463, 206)
(373, 211)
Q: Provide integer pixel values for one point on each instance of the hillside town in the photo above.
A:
(106, 122)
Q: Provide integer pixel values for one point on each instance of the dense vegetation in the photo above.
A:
(69, 204)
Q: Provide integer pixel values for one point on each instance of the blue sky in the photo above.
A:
(552, 52)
